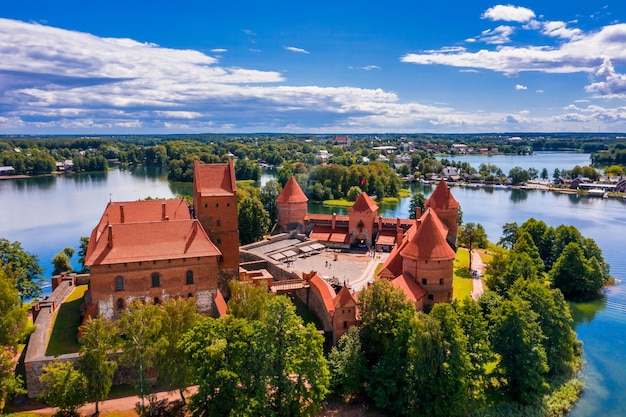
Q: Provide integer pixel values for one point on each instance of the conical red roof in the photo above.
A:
(344, 298)
(292, 193)
(441, 198)
(429, 242)
(363, 203)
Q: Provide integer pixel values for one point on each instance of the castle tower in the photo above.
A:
(362, 216)
(215, 206)
(292, 207)
(429, 260)
(447, 209)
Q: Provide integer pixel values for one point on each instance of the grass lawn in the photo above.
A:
(64, 337)
(338, 203)
(390, 200)
(307, 315)
(404, 193)
(462, 282)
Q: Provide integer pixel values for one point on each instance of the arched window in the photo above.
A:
(119, 283)
(156, 279)
(120, 303)
(189, 278)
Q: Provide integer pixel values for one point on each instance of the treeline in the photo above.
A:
(615, 154)
(572, 263)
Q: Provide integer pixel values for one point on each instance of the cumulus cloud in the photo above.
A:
(557, 29)
(520, 87)
(499, 35)
(583, 54)
(611, 84)
(509, 13)
(296, 50)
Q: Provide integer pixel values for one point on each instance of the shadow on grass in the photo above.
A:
(64, 336)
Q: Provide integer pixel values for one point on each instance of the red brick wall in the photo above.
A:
(219, 218)
(343, 319)
(138, 279)
(368, 218)
(289, 213)
(438, 275)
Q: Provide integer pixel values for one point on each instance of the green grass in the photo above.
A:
(64, 336)
(390, 200)
(404, 193)
(462, 282)
(307, 315)
(338, 203)
(245, 183)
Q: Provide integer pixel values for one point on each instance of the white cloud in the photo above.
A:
(508, 13)
(219, 50)
(539, 91)
(520, 87)
(370, 67)
(499, 35)
(611, 85)
(583, 54)
(557, 29)
(297, 50)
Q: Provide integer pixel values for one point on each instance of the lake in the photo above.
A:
(50, 213)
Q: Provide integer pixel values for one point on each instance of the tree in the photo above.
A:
(140, 325)
(525, 245)
(517, 338)
(98, 344)
(575, 275)
(63, 387)
(13, 324)
(544, 174)
(247, 301)
(21, 266)
(472, 235)
(347, 364)
(509, 235)
(439, 364)
(417, 202)
(518, 175)
(82, 253)
(298, 376)
(179, 316)
(382, 307)
(61, 263)
(253, 218)
(269, 194)
(353, 193)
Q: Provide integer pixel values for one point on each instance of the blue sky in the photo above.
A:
(116, 67)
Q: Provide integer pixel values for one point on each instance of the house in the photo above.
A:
(149, 250)
(6, 170)
(341, 141)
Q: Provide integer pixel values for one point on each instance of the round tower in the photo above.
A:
(292, 207)
(447, 209)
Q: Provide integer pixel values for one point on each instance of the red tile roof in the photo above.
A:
(214, 179)
(364, 203)
(412, 291)
(441, 198)
(149, 241)
(344, 298)
(292, 193)
(429, 241)
(326, 217)
(387, 237)
(325, 291)
(144, 211)
(328, 234)
(220, 303)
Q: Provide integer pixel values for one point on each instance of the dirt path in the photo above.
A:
(477, 282)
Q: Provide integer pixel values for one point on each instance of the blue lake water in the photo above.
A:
(50, 213)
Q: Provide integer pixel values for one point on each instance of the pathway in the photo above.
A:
(477, 282)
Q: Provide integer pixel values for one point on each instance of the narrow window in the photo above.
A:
(206, 206)
(219, 223)
(440, 281)
(156, 279)
(119, 283)
(219, 241)
(217, 205)
(345, 324)
(431, 297)
(156, 300)
(424, 281)
(189, 277)
(120, 303)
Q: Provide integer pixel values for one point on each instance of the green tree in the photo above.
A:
(347, 365)
(22, 267)
(575, 275)
(97, 345)
(518, 175)
(353, 193)
(439, 364)
(140, 325)
(517, 339)
(82, 253)
(247, 301)
(178, 317)
(525, 245)
(63, 387)
(417, 202)
(382, 307)
(269, 194)
(544, 174)
(61, 263)
(509, 235)
(253, 218)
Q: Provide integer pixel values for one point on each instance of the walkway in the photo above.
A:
(477, 282)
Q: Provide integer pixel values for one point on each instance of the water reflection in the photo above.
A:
(181, 188)
(32, 184)
(518, 195)
(585, 312)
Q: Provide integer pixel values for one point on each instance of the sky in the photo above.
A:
(323, 67)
